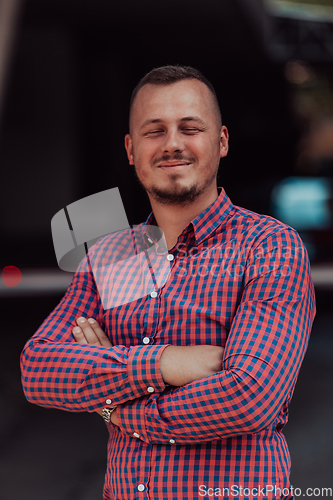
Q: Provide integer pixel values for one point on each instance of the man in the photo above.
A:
(196, 375)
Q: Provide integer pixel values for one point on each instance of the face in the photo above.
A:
(176, 141)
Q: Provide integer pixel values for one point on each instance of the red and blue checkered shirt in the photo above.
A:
(234, 279)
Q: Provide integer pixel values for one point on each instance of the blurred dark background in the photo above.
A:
(67, 69)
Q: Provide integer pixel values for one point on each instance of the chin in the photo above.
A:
(174, 195)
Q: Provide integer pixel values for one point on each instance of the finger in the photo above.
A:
(78, 335)
(103, 338)
(88, 332)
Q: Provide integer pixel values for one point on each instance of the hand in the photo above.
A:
(89, 332)
(181, 365)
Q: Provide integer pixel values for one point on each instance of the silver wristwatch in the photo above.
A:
(106, 413)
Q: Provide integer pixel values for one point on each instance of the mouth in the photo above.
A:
(174, 165)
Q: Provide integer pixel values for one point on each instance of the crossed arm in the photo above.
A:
(266, 343)
(179, 365)
(265, 347)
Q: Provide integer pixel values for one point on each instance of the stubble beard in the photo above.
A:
(177, 194)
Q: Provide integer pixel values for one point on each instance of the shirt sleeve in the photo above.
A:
(263, 353)
(59, 373)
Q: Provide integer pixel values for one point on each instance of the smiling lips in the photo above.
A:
(174, 164)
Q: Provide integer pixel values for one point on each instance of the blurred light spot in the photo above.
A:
(303, 202)
(11, 276)
(299, 72)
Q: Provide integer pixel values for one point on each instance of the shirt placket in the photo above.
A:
(157, 268)
(143, 473)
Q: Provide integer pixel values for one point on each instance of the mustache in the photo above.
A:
(176, 156)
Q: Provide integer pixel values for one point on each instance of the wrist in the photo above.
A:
(108, 412)
(114, 417)
(173, 370)
(165, 364)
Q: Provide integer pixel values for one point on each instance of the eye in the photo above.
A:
(190, 131)
(154, 132)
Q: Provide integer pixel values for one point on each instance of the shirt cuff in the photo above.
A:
(131, 418)
(143, 370)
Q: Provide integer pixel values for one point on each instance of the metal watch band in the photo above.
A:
(106, 413)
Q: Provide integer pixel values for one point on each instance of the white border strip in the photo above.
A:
(38, 282)
(54, 281)
(322, 275)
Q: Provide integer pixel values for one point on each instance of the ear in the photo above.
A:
(224, 142)
(129, 149)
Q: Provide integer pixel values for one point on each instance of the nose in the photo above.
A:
(173, 142)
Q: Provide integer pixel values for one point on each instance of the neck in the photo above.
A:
(173, 219)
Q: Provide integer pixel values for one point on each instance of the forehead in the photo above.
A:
(172, 102)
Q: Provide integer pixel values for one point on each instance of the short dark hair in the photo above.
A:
(166, 75)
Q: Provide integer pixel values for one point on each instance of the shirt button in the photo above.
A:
(150, 389)
(108, 401)
(141, 487)
(146, 340)
(172, 441)
(135, 434)
(170, 257)
(153, 294)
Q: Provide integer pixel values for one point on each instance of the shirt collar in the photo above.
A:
(207, 222)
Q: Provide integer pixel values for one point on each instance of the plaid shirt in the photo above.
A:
(235, 279)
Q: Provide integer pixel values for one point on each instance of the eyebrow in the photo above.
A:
(185, 119)
(149, 121)
(193, 119)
